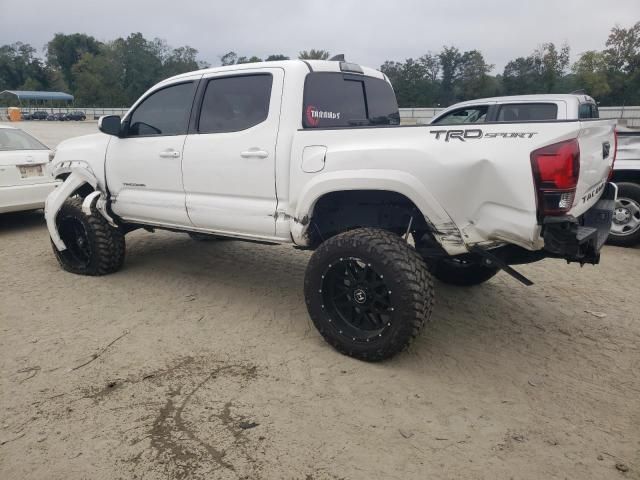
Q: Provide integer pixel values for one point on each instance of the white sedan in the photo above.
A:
(25, 179)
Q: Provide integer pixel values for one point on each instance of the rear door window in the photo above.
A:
(527, 112)
(236, 103)
(345, 100)
(475, 114)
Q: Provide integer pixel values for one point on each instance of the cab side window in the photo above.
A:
(527, 112)
(475, 114)
(164, 112)
(232, 104)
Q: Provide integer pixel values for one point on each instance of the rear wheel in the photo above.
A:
(625, 228)
(368, 293)
(93, 246)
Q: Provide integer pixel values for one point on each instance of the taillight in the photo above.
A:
(615, 152)
(555, 171)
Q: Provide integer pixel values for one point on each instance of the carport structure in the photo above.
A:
(26, 98)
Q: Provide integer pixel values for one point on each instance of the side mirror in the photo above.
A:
(110, 124)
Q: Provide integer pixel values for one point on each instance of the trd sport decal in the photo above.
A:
(477, 134)
(313, 115)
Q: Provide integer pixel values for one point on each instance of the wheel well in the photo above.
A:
(632, 176)
(82, 191)
(337, 212)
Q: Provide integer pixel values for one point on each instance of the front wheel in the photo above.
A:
(625, 228)
(93, 246)
(368, 293)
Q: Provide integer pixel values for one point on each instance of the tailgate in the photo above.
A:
(597, 148)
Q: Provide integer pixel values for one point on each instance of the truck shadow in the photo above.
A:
(16, 221)
(499, 319)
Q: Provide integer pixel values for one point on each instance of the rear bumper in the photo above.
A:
(25, 197)
(580, 239)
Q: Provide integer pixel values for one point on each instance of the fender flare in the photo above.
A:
(446, 232)
(77, 178)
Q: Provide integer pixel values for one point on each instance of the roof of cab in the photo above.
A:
(309, 65)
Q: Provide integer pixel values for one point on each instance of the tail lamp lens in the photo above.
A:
(556, 169)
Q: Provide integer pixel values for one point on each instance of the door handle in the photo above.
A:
(255, 153)
(170, 154)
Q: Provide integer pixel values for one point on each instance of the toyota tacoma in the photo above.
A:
(311, 154)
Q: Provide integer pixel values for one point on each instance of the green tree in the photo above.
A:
(623, 62)
(20, 68)
(520, 76)
(552, 64)
(313, 55)
(181, 60)
(252, 59)
(229, 58)
(99, 78)
(276, 57)
(591, 73)
(450, 62)
(64, 51)
(141, 65)
(473, 76)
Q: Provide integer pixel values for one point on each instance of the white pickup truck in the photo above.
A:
(625, 229)
(310, 153)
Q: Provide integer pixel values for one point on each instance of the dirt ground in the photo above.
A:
(198, 361)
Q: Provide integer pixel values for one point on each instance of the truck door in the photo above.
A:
(229, 160)
(143, 168)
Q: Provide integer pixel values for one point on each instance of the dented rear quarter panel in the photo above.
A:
(483, 185)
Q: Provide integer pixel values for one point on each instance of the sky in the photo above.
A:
(366, 31)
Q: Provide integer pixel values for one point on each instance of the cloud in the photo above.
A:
(367, 31)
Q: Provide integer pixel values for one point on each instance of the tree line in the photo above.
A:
(115, 73)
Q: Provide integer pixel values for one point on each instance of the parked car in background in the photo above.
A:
(25, 115)
(625, 229)
(57, 116)
(39, 115)
(25, 178)
(77, 115)
(520, 108)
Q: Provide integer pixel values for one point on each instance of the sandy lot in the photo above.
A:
(198, 361)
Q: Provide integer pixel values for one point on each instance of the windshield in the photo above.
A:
(11, 139)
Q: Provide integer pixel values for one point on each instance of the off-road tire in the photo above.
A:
(105, 244)
(630, 191)
(461, 274)
(405, 274)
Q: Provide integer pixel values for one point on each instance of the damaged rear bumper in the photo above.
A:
(580, 239)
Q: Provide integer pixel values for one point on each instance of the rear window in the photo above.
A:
(527, 112)
(11, 139)
(334, 99)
